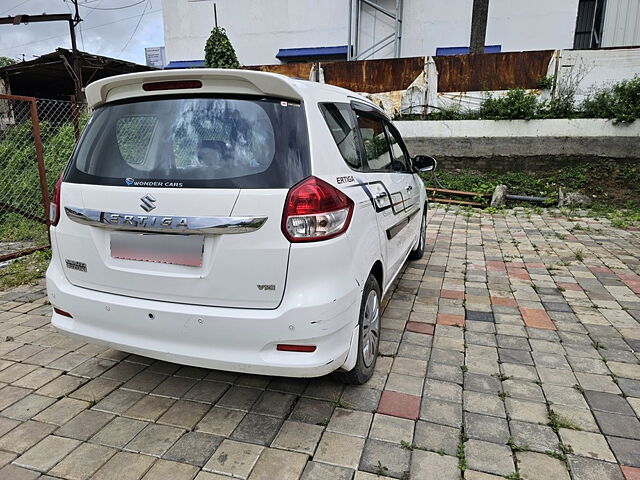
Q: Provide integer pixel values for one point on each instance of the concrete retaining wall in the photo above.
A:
(521, 145)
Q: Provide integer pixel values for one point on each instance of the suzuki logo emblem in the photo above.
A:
(148, 203)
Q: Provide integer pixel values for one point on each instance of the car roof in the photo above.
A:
(213, 81)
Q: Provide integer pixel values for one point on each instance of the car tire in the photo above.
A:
(419, 250)
(369, 338)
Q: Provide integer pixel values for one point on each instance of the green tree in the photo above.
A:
(218, 52)
(6, 61)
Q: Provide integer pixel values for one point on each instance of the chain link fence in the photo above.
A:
(37, 137)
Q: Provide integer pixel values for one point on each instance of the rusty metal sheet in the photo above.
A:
(297, 70)
(374, 76)
(492, 71)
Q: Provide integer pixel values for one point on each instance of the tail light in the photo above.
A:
(282, 347)
(54, 205)
(315, 210)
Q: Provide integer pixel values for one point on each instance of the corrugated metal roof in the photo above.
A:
(306, 52)
(185, 64)
(441, 51)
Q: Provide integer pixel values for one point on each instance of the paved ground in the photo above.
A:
(511, 349)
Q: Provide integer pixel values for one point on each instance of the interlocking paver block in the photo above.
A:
(234, 459)
(274, 463)
(47, 453)
(167, 470)
(489, 457)
(391, 458)
(442, 412)
(298, 437)
(538, 466)
(184, 414)
(25, 435)
(194, 448)
(338, 449)
(62, 411)
(626, 450)
(399, 405)
(587, 444)
(391, 429)
(432, 466)
(350, 422)
(124, 466)
(583, 468)
(259, 429)
(484, 427)
(322, 471)
(155, 439)
(84, 425)
(618, 425)
(83, 462)
(119, 432)
(220, 421)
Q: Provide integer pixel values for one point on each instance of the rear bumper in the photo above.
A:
(240, 340)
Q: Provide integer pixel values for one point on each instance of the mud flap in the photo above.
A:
(352, 357)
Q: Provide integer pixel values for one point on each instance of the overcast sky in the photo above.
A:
(114, 28)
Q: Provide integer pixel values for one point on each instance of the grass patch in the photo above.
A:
(25, 270)
(556, 422)
(16, 228)
(614, 184)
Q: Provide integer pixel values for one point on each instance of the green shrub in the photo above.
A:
(516, 104)
(218, 52)
(621, 102)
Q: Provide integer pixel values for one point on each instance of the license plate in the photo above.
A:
(158, 248)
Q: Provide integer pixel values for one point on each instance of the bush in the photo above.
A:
(516, 104)
(218, 52)
(621, 102)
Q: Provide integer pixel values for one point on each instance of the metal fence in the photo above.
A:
(37, 137)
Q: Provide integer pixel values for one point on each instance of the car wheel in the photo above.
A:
(369, 338)
(419, 250)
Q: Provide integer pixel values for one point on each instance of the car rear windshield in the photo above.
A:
(194, 143)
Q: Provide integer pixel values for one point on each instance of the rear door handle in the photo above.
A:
(381, 195)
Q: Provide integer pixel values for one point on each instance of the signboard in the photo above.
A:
(155, 57)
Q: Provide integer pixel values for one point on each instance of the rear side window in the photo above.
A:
(340, 121)
(194, 142)
(375, 142)
(400, 160)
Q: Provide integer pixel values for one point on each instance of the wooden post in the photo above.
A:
(42, 173)
(74, 117)
(478, 26)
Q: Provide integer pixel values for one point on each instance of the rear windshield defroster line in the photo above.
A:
(203, 142)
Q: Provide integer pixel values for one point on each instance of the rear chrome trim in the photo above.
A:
(165, 224)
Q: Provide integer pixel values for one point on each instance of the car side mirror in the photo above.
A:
(424, 163)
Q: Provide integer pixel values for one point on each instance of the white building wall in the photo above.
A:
(259, 28)
(621, 23)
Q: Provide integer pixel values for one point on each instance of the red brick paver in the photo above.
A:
(508, 302)
(448, 319)
(399, 405)
(631, 473)
(419, 327)
(570, 286)
(536, 318)
(454, 294)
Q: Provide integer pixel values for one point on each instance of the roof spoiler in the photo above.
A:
(214, 81)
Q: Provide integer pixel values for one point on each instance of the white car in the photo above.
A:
(234, 220)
